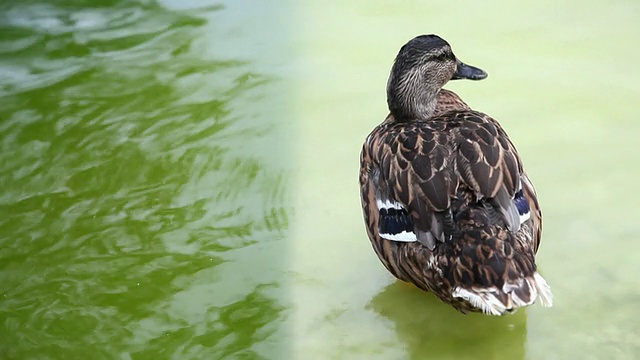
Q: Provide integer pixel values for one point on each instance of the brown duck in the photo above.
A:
(447, 203)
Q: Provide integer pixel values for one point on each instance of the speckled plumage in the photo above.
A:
(455, 173)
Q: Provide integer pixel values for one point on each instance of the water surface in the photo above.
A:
(144, 186)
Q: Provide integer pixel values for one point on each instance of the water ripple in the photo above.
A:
(143, 212)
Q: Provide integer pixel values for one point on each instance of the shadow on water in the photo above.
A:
(136, 187)
(431, 329)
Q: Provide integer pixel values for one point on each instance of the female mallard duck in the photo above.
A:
(447, 203)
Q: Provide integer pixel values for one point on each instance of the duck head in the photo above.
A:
(420, 70)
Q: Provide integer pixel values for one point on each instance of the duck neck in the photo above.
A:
(409, 97)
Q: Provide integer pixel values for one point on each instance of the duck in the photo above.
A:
(447, 204)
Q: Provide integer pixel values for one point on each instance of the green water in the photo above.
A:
(179, 178)
(144, 187)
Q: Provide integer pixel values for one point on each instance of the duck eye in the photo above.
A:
(441, 57)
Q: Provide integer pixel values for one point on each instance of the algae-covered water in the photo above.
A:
(179, 178)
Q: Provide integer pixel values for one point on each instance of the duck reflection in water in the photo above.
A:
(433, 330)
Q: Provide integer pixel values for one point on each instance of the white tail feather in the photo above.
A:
(485, 299)
(544, 290)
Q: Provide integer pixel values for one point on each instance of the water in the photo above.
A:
(180, 178)
(144, 188)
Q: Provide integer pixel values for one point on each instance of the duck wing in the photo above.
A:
(488, 163)
(422, 165)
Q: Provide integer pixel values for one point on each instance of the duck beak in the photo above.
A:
(464, 71)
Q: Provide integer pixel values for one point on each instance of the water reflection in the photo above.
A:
(431, 329)
(143, 210)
